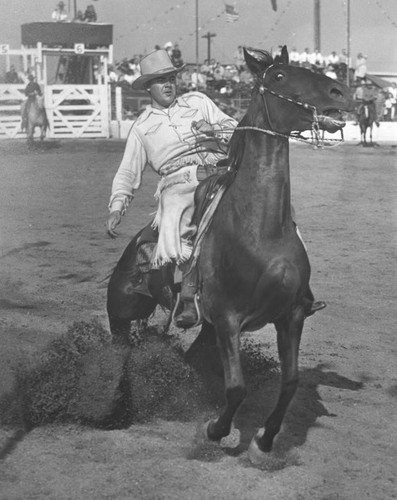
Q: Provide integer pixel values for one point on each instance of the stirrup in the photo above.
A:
(196, 302)
(177, 302)
(198, 310)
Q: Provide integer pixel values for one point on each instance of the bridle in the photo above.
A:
(316, 140)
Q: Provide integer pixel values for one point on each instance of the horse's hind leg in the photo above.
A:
(288, 339)
(125, 305)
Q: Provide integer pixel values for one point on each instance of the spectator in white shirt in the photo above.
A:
(60, 14)
(294, 57)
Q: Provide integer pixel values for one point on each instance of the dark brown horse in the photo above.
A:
(254, 268)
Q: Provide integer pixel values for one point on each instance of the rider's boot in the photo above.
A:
(190, 316)
(312, 306)
(316, 306)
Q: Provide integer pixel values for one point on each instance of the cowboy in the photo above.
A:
(32, 89)
(182, 139)
(366, 94)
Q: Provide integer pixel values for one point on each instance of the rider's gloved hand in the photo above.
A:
(203, 127)
(113, 221)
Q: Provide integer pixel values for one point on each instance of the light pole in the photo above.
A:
(208, 36)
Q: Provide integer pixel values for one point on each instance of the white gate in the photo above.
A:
(11, 96)
(73, 111)
(77, 111)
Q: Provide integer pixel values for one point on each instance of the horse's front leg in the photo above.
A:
(228, 339)
(289, 332)
(30, 133)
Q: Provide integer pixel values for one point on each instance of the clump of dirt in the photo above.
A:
(82, 377)
(46, 385)
(257, 365)
(162, 383)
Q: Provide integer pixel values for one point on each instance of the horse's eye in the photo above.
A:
(278, 77)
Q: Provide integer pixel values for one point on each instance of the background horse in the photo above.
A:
(36, 117)
(253, 266)
(366, 117)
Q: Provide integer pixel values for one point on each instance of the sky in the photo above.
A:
(138, 25)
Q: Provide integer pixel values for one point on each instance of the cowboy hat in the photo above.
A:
(154, 65)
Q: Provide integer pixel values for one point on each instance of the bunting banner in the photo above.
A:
(386, 14)
(231, 14)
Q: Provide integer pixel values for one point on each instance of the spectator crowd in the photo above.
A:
(235, 80)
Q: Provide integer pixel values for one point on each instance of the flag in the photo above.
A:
(231, 14)
(274, 4)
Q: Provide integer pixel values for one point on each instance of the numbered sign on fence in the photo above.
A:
(79, 48)
(4, 48)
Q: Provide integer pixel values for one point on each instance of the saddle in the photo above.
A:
(207, 196)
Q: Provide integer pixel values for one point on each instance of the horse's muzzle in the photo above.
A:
(331, 121)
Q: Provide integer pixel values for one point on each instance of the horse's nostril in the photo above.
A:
(336, 93)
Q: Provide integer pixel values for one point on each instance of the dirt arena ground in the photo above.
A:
(339, 438)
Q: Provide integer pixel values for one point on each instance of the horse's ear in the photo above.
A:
(282, 58)
(284, 55)
(257, 60)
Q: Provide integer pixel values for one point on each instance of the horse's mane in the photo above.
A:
(238, 142)
(237, 145)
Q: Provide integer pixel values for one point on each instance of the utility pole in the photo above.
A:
(348, 40)
(317, 26)
(208, 36)
(197, 36)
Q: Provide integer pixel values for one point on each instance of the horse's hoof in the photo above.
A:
(255, 454)
(205, 430)
(232, 440)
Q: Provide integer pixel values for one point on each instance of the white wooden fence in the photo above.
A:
(73, 111)
(11, 96)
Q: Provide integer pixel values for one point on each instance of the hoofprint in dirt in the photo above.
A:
(338, 441)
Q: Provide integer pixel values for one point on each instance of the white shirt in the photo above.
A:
(165, 140)
(59, 15)
(294, 56)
